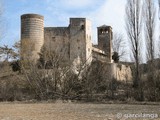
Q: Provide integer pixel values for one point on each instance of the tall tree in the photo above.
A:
(16, 48)
(10, 53)
(6, 53)
(149, 27)
(134, 30)
(150, 40)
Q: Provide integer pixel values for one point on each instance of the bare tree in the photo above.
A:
(150, 22)
(10, 53)
(119, 45)
(133, 29)
(152, 79)
(16, 48)
(6, 53)
(159, 35)
(50, 77)
(54, 79)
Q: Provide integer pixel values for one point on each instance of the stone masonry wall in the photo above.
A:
(105, 41)
(57, 40)
(123, 72)
(77, 40)
(72, 43)
(32, 35)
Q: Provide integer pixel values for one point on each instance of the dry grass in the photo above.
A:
(70, 111)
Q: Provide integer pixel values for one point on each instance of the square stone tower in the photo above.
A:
(80, 40)
(105, 41)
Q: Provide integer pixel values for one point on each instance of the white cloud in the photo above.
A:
(62, 10)
(112, 13)
(109, 12)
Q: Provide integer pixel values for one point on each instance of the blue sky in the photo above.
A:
(58, 12)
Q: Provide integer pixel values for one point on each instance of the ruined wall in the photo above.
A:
(110, 71)
(57, 41)
(123, 72)
(98, 54)
(120, 72)
(32, 36)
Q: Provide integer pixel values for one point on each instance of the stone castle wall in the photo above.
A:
(111, 71)
(57, 41)
(73, 43)
(32, 35)
(121, 72)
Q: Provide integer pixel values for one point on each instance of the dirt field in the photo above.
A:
(75, 111)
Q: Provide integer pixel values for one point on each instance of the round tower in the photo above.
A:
(32, 36)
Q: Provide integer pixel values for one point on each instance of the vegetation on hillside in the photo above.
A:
(54, 78)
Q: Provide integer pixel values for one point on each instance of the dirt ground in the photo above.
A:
(77, 111)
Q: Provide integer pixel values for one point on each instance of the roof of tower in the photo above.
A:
(104, 26)
(31, 15)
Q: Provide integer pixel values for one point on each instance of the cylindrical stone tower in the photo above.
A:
(32, 36)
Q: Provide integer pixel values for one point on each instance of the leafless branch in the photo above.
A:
(134, 31)
(150, 23)
(119, 45)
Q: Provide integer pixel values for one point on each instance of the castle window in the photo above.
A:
(82, 27)
(78, 48)
(88, 49)
(103, 31)
(106, 31)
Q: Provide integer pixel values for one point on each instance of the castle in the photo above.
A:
(73, 42)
